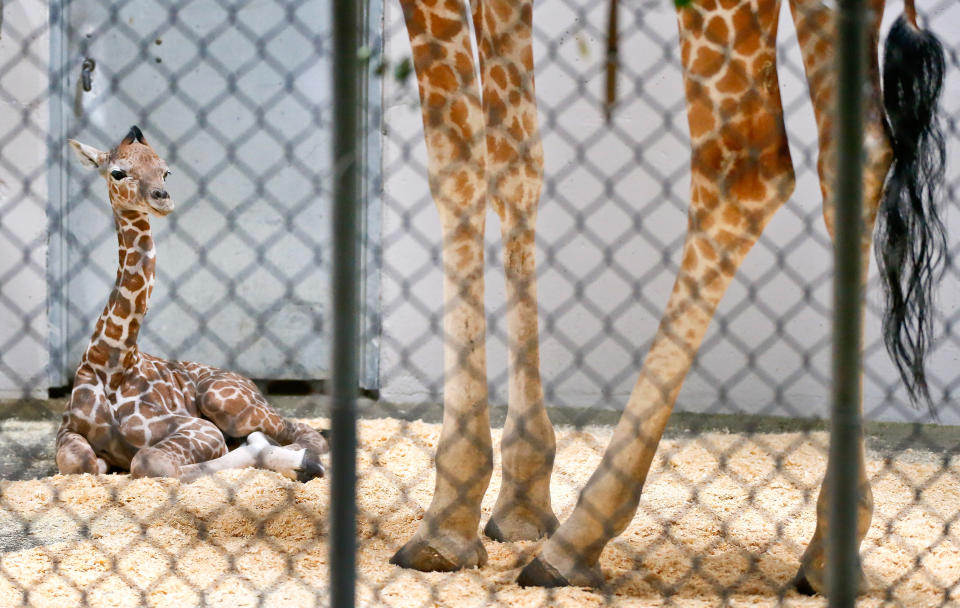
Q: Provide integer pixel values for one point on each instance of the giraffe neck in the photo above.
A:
(113, 347)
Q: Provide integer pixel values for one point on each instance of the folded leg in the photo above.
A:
(191, 440)
(259, 452)
(238, 409)
(76, 455)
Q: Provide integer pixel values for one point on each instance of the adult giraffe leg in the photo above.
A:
(741, 174)
(453, 126)
(815, 24)
(514, 173)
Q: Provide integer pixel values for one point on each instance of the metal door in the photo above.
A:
(235, 96)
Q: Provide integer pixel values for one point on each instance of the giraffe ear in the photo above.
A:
(88, 155)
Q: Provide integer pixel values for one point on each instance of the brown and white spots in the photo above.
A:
(741, 174)
(150, 416)
(483, 147)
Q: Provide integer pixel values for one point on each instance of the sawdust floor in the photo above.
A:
(253, 538)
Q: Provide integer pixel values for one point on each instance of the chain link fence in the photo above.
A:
(236, 97)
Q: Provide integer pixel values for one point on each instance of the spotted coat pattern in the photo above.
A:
(741, 174)
(483, 146)
(132, 411)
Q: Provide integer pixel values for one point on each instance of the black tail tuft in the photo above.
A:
(911, 239)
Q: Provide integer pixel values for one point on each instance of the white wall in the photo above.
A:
(24, 118)
(768, 349)
(653, 191)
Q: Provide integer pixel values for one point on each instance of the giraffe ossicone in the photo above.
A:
(153, 417)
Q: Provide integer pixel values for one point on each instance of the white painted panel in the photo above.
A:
(606, 262)
(24, 121)
(236, 98)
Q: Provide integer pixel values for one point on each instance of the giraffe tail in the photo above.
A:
(911, 239)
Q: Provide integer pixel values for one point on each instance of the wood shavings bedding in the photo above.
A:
(253, 538)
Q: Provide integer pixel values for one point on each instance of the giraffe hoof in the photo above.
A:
(802, 585)
(808, 586)
(539, 573)
(492, 530)
(310, 468)
(506, 529)
(418, 554)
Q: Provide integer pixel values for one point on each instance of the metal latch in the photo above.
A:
(86, 74)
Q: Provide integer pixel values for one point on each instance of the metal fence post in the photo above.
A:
(345, 284)
(846, 428)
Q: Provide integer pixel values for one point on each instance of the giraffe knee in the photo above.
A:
(299, 435)
(72, 461)
(75, 455)
(153, 463)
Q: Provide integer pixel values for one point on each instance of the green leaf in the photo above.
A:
(402, 70)
(582, 45)
(682, 3)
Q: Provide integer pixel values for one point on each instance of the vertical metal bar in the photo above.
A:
(370, 220)
(57, 184)
(345, 285)
(845, 434)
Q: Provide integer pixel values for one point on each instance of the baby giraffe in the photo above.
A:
(156, 418)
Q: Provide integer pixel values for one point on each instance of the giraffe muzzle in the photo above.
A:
(160, 202)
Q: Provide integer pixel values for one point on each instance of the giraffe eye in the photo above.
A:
(166, 174)
(117, 174)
